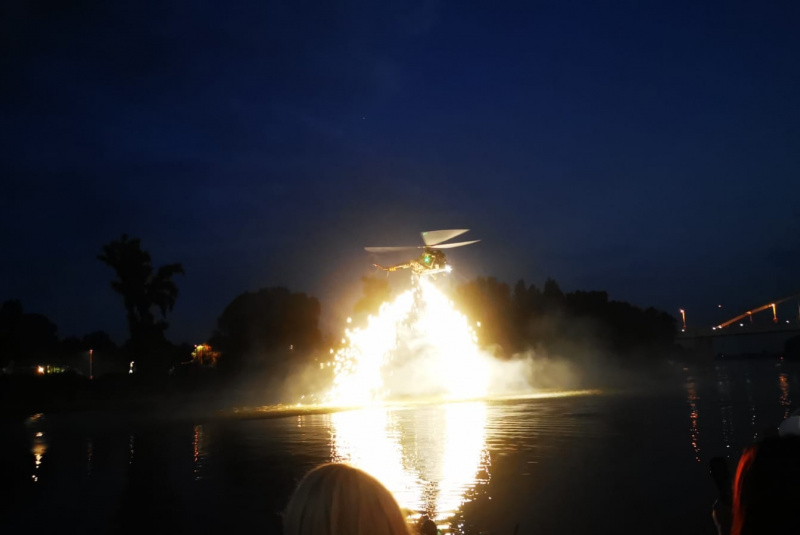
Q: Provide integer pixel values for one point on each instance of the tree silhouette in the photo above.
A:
(142, 289)
(527, 317)
(99, 341)
(266, 329)
(552, 295)
(25, 338)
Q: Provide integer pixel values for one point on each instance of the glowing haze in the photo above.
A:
(417, 346)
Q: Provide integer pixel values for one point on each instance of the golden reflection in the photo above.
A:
(431, 459)
(38, 449)
(370, 439)
(463, 455)
(783, 399)
(694, 430)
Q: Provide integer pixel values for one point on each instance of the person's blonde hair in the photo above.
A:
(337, 499)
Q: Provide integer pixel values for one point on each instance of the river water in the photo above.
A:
(611, 462)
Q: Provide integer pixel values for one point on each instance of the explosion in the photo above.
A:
(418, 346)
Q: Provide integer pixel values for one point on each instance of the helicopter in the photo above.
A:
(432, 261)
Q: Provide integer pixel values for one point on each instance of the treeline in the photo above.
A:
(529, 317)
(275, 330)
(28, 340)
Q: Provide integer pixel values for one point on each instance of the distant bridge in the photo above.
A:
(742, 329)
(771, 335)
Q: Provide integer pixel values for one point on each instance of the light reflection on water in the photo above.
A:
(751, 404)
(429, 458)
(199, 451)
(38, 443)
(89, 456)
(38, 449)
(475, 467)
(784, 399)
(694, 427)
(726, 408)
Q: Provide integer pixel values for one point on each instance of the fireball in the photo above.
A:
(417, 347)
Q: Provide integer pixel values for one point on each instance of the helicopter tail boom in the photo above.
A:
(392, 268)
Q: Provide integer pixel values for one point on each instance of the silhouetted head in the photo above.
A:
(336, 499)
(427, 526)
(767, 488)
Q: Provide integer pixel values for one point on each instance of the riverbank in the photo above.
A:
(207, 397)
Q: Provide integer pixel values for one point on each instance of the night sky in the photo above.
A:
(650, 149)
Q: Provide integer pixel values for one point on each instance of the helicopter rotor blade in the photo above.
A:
(389, 249)
(435, 237)
(451, 245)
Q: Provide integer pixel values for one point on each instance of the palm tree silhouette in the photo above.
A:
(142, 289)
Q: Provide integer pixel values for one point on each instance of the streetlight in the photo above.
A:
(683, 317)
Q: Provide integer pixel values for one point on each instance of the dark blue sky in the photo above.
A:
(650, 149)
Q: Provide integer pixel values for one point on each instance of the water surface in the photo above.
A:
(608, 463)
